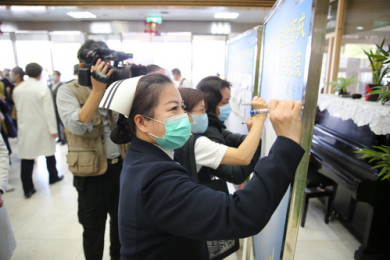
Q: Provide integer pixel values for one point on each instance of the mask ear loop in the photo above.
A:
(155, 136)
(153, 119)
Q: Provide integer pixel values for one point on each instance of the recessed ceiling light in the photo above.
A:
(81, 15)
(359, 28)
(16, 8)
(226, 15)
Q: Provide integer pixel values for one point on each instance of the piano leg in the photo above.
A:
(376, 241)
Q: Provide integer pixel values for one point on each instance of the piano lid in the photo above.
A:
(334, 144)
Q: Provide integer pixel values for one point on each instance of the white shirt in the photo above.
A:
(182, 82)
(208, 153)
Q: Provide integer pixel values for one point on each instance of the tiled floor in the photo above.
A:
(46, 225)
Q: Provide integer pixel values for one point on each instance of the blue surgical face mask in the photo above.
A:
(177, 132)
(11, 77)
(53, 78)
(200, 124)
(224, 112)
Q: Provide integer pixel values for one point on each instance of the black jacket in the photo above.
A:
(163, 214)
(236, 174)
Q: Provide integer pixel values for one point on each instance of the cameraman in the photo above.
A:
(94, 160)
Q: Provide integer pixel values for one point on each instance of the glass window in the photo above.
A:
(7, 58)
(34, 47)
(166, 50)
(64, 47)
(208, 57)
(353, 61)
(64, 58)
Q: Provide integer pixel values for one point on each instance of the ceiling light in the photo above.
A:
(81, 15)
(17, 8)
(359, 28)
(226, 15)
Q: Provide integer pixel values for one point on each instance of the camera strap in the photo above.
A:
(99, 76)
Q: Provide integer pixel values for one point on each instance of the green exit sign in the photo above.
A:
(154, 19)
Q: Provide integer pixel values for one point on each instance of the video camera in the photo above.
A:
(121, 70)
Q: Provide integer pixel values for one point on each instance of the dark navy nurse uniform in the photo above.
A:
(163, 214)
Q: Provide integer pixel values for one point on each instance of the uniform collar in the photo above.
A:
(170, 153)
(146, 147)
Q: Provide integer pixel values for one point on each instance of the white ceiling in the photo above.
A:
(59, 13)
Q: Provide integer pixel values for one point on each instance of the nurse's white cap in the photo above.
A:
(119, 96)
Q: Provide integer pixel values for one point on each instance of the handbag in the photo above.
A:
(218, 249)
(9, 126)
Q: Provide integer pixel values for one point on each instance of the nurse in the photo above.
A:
(163, 214)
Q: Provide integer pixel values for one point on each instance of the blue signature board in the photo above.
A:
(284, 69)
(287, 32)
(241, 70)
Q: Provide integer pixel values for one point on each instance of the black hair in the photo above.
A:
(191, 97)
(91, 45)
(152, 68)
(121, 134)
(211, 87)
(145, 101)
(176, 71)
(57, 72)
(19, 71)
(33, 70)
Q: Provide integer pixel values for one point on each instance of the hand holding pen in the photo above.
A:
(257, 103)
(261, 111)
(257, 111)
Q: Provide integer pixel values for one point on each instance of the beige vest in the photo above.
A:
(86, 153)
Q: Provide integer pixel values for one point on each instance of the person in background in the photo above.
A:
(153, 68)
(163, 214)
(8, 243)
(8, 128)
(17, 77)
(87, 130)
(217, 94)
(37, 128)
(217, 159)
(6, 74)
(6, 78)
(179, 81)
(55, 80)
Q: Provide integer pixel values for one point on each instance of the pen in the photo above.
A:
(260, 111)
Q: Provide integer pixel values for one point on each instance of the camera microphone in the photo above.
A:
(119, 56)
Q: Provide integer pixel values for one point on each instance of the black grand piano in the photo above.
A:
(362, 202)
